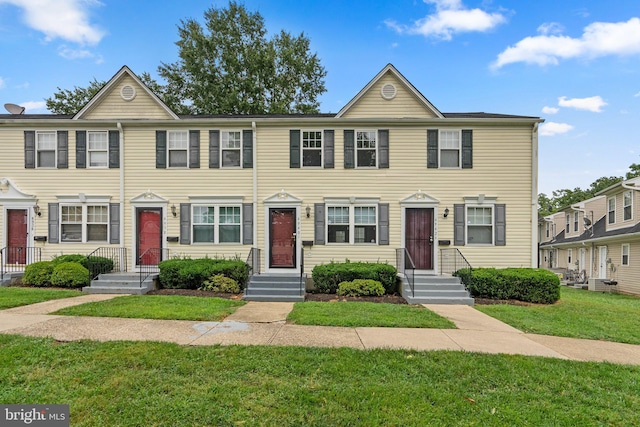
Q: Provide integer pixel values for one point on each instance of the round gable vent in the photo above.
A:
(128, 92)
(388, 91)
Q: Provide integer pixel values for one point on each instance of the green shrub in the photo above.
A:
(38, 274)
(79, 258)
(189, 273)
(220, 283)
(98, 265)
(361, 288)
(533, 285)
(327, 277)
(70, 275)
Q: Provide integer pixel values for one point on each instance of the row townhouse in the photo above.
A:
(597, 241)
(388, 174)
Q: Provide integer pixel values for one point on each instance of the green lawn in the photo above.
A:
(157, 384)
(578, 314)
(158, 307)
(361, 314)
(17, 296)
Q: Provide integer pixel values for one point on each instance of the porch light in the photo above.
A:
(36, 210)
(308, 211)
(174, 211)
(446, 213)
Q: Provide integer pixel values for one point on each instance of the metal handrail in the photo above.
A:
(155, 255)
(116, 254)
(21, 257)
(302, 289)
(452, 260)
(253, 261)
(407, 267)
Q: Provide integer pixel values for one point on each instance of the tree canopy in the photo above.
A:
(227, 66)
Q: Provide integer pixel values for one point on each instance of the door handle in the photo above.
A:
(430, 240)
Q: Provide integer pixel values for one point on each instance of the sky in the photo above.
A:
(576, 64)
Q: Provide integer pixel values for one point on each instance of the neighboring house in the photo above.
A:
(599, 237)
(388, 171)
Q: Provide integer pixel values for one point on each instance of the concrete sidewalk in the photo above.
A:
(264, 323)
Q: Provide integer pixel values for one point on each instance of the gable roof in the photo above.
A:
(391, 69)
(107, 88)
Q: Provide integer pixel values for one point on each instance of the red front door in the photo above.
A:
(149, 236)
(283, 238)
(17, 236)
(419, 237)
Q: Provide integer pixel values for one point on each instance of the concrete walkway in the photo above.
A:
(264, 323)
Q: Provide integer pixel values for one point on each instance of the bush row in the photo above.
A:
(58, 274)
(186, 273)
(327, 277)
(534, 285)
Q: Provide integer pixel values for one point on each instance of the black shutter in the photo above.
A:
(194, 149)
(500, 224)
(294, 148)
(161, 149)
(458, 225)
(29, 149)
(114, 149)
(467, 149)
(247, 223)
(383, 223)
(329, 150)
(214, 149)
(81, 149)
(432, 148)
(318, 223)
(185, 223)
(114, 223)
(63, 149)
(54, 223)
(247, 148)
(383, 148)
(349, 147)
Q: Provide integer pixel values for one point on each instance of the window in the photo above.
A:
(361, 219)
(46, 149)
(311, 148)
(178, 145)
(231, 149)
(611, 213)
(449, 149)
(80, 223)
(627, 202)
(569, 257)
(365, 224)
(366, 149)
(547, 227)
(338, 224)
(576, 216)
(98, 146)
(479, 225)
(568, 226)
(625, 254)
(225, 230)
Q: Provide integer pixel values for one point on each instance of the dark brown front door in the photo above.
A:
(283, 238)
(149, 236)
(17, 236)
(419, 237)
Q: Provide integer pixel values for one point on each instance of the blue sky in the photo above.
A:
(574, 63)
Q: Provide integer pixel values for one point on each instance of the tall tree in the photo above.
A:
(230, 67)
(66, 101)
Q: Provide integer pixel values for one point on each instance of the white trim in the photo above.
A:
(356, 149)
(628, 246)
(630, 192)
(55, 149)
(609, 199)
(459, 132)
(84, 221)
(352, 223)
(602, 262)
(185, 149)
(321, 149)
(31, 218)
(89, 150)
(493, 223)
(216, 223)
(267, 240)
(403, 234)
(239, 149)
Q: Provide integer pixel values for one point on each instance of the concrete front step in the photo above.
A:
(440, 300)
(120, 283)
(434, 289)
(275, 288)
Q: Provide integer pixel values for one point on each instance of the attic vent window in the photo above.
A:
(389, 91)
(127, 92)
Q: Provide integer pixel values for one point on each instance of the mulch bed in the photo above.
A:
(194, 293)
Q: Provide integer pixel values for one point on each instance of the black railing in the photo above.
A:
(451, 261)
(15, 258)
(302, 285)
(253, 261)
(97, 261)
(406, 266)
(148, 262)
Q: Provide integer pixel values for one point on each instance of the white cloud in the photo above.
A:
(70, 53)
(63, 19)
(637, 95)
(34, 106)
(552, 128)
(2, 83)
(550, 28)
(550, 110)
(451, 17)
(598, 39)
(594, 103)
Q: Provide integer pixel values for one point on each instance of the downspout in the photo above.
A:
(255, 186)
(122, 215)
(534, 195)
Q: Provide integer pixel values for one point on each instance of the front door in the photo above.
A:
(16, 236)
(149, 240)
(418, 238)
(602, 270)
(282, 234)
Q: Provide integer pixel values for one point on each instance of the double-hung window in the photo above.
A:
(366, 149)
(364, 221)
(449, 149)
(46, 143)
(569, 257)
(98, 148)
(568, 225)
(311, 148)
(231, 149)
(352, 224)
(84, 223)
(97, 223)
(627, 203)
(338, 224)
(625, 254)
(216, 224)
(576, 216)
(71, 223)
(178, 147)
(479, 225)
(611, 210)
